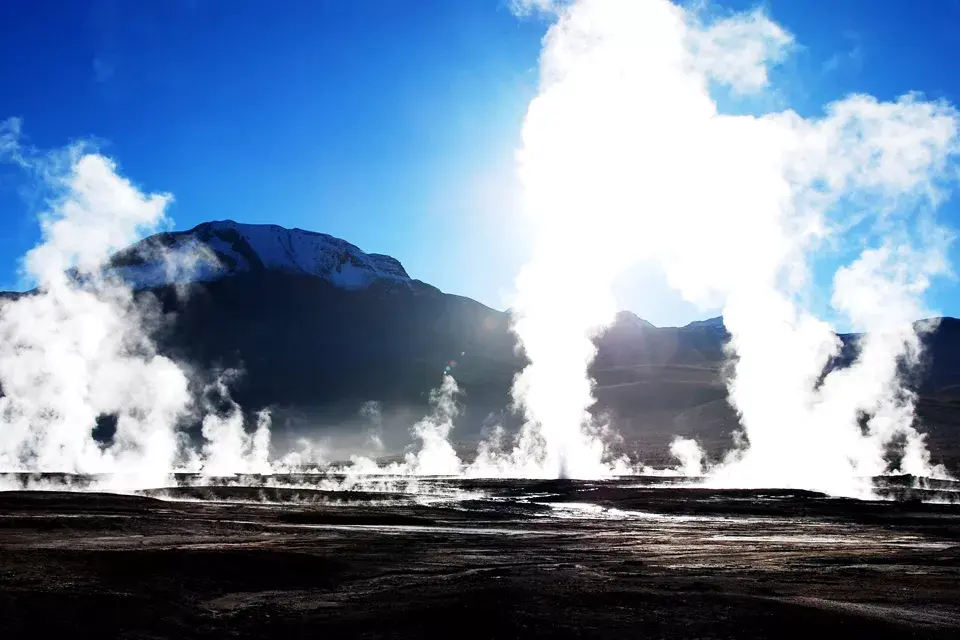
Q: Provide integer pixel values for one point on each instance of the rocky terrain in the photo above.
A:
(476, 559)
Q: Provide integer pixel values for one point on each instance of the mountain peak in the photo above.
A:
(632, 320)
(218, 249)
(714, 325)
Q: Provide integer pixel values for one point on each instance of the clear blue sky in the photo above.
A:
(390, 123)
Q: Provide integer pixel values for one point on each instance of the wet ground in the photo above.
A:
(486, 559)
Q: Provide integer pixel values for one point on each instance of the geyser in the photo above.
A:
(626, 156)
(79, 347)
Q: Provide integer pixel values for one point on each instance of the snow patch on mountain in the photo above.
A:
(215, 250)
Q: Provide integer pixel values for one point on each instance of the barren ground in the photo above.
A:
(489, 559)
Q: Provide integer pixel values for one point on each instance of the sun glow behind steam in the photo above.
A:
(626, 154)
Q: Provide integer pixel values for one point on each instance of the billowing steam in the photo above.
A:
(227, 447)
(690, 456)
(78, 350)
(626, 157)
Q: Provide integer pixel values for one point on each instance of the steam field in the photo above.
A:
(674, 138)
(320, 556)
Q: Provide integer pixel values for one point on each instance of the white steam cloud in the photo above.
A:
(78, 349)
(626, 157)
(434, 456)
(228, 448)
(690, 456)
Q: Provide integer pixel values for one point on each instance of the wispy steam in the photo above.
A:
(373, 412)
(625, 157)
(432, 454)
(228, 448)
(436, 455)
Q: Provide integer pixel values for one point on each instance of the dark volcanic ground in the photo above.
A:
(489, 559)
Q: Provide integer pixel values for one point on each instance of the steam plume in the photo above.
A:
(626, 157)
(79, 347)
(434, 456)
(690, 456)
(228, 448)
(372, 411)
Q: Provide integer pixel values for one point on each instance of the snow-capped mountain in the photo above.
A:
(214, 250)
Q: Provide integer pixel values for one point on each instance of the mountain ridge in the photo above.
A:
(216, 249)
(315, 347)
(341, 262)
